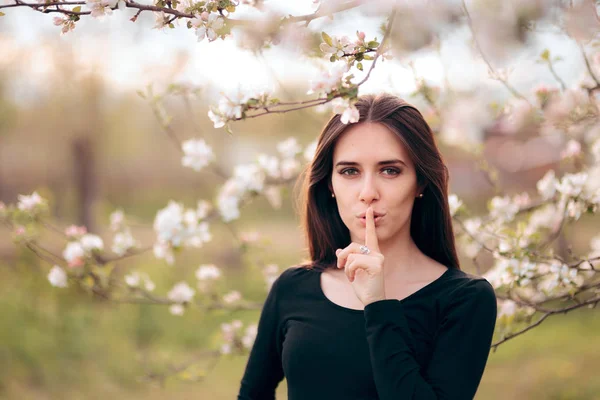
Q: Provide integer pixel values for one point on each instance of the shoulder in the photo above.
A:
(291, 276)
(464, 289)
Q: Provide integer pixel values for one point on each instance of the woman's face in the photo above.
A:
(372, 167)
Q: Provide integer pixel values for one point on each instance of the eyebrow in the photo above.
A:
(385, 162)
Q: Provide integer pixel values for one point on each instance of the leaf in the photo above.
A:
(171, 26)
(327, 38)
(359, 66)
(77, 9)
(545, 55)
(372, 44)
(141, 94)
(332, 58)
(368, 57)
(2, 14)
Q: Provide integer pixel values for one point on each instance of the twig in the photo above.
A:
(512, 90)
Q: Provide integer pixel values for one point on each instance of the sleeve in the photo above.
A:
(460, 349)
(263, 369)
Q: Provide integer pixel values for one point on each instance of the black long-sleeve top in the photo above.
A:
(433, 344)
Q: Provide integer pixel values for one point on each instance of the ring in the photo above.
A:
(364, 250)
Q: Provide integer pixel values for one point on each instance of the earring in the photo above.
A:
(332, 195)
(421, 195)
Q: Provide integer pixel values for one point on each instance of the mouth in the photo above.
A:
(377, 220)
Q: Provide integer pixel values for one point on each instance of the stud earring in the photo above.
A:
(421, 195)
(332, 195)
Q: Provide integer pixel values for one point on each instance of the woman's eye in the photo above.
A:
(344, 172)
(392, 171)
(353, 171)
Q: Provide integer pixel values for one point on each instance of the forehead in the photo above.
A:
(369, 142)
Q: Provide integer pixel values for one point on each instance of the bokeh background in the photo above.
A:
(73, 128)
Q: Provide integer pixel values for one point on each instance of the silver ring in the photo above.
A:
(364, 250)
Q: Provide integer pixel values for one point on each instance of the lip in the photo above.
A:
(375, 214)
(363, 221)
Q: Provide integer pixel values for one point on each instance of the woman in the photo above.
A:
(383, 310)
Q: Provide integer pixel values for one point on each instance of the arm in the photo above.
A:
(460, 349)
(263, 370)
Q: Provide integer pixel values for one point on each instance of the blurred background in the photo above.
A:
(73, 127)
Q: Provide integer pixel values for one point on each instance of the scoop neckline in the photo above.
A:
(355, 311)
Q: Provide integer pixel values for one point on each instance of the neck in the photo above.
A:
(402, 256)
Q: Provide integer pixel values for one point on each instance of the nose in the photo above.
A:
(368, 192)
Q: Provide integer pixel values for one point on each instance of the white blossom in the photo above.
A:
(160, 20)
(123, 242)
(270, 164)
(176, 309)
(340, 46)
(163, 250)
(168, 223)
(117, 220)
(349, 112)
(289, 168)
(208, 272)
(310, 150)
(226, 348)
(503, 207)
(547, 185)
(507, 308)
(57, 277)
(229, 207)
(249, 336)
(249, 177)
(91, 242)
(202, 209)
(573, 149)
(454, 203)
(197, 154)
(74, 253)
(31, 202)
(133, 279)
(181, 293)
(289, 147)
(329, 80)
(232, 297)
(572, 184)
(218, 120)
(207, 28)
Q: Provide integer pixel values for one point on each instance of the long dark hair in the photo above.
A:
(431, 222)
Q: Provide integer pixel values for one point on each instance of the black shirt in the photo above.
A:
(433, 344)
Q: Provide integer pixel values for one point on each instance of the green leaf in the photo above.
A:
(141, 94)
(368, 57)
(359, 66)
(2, 14)
(189, 24)
(372, 44)
(77, 9)
(327, 38)
(332, 58)
(545, 55)
(171, 26)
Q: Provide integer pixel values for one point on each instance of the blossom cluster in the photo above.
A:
(176, 226)
(232, 335)
(252, 178)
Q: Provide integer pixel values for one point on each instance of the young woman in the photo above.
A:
(383, 310)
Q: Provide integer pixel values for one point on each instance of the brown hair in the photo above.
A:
(431, 222)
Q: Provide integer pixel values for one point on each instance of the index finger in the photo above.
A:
(371, 234)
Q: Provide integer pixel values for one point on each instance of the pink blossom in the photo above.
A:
(74, 230)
